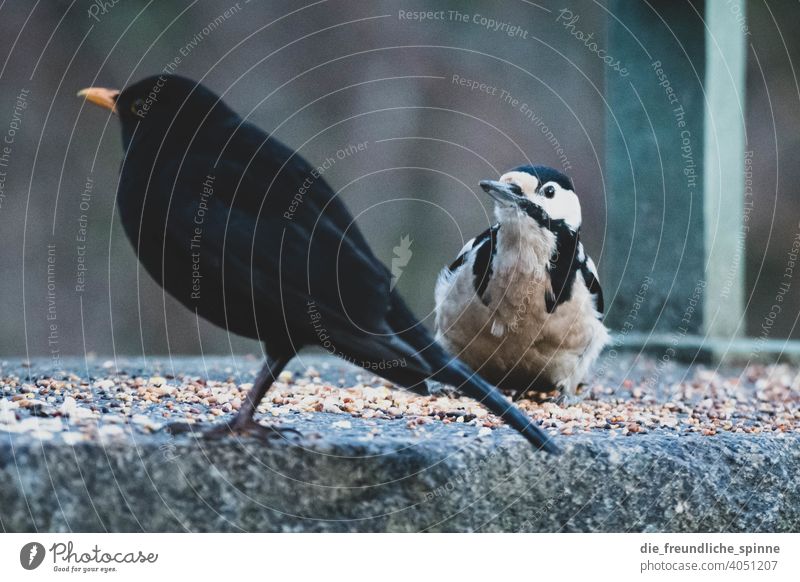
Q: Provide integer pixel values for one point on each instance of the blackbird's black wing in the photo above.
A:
(322, 255)
(274, 184)
(348, 317)
(310, 272)
(278, 180)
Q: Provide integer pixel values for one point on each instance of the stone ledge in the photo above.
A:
(348, 473)
(446, 482)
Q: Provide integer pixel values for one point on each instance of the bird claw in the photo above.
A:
(236, 428)
(565, 399)
(438, 389)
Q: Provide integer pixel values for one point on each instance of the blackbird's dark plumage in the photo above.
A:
(223, 217)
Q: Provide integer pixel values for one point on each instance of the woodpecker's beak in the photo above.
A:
(99, 96)
(502, 192)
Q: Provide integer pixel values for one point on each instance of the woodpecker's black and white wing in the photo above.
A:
(589, 272)
(564, 264)
(569, 261)
(480, 252)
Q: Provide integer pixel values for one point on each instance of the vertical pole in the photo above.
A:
(725, 160)
(674, 171)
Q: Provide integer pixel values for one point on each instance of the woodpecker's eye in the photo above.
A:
(549, 191)
(136, 106)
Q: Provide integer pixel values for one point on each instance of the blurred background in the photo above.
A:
(326, 77)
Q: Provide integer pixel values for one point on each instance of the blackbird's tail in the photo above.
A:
(450, 370)
(453, 371)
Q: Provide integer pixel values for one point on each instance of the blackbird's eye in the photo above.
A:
(549, 191)
(136, 106)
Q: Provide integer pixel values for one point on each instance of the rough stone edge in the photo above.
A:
(653, 482)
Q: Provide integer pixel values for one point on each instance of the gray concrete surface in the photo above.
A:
(378, 475)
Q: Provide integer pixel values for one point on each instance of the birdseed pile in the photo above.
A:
(640, 398)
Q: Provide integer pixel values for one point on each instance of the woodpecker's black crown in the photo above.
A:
(546, 174)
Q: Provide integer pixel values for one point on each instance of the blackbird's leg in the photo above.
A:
(264, 380)
(243, 423)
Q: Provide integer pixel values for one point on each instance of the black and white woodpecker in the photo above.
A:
(522, 304)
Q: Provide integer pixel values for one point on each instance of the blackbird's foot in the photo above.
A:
(236, 427)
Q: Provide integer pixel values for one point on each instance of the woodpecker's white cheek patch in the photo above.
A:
(563, 206)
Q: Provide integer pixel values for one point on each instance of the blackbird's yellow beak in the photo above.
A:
(100, 96)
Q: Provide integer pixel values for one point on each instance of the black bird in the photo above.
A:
(245, 232)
